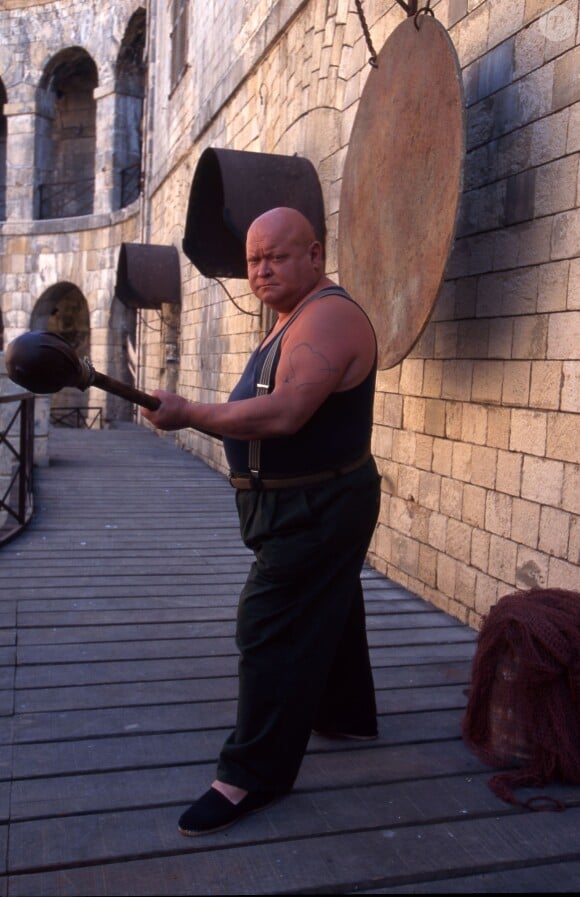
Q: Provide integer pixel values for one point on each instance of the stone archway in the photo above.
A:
(130, 75)
(65, 142)
(63, 309)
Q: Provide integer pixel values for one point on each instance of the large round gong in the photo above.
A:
(402, 183)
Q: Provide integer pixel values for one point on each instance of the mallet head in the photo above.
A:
(43, 362)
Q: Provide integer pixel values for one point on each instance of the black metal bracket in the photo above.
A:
(410, 7)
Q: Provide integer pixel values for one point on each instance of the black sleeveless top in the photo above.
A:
(337, 434)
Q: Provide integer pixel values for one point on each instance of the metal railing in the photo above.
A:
(16, 464)
(81, 418)
(66, 199)
(130, 184)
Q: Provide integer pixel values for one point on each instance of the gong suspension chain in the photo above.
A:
(411, 8)
(366, 32)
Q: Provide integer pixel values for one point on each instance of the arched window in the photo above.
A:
(179, 29)
(3, 133)
(130, 90)
(66, 136)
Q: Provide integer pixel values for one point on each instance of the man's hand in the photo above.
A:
(174, 413)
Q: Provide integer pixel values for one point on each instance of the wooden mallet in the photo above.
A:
(43, 362)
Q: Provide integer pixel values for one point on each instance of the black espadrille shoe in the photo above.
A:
(213, 811)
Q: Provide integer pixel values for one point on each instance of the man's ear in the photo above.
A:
(316, 255)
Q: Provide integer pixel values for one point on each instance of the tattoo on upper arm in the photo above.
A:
(307, 367)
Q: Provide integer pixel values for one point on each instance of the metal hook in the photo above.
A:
(423, 12)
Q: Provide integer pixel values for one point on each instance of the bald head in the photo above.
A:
(283, 221)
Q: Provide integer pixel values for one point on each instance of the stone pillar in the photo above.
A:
(20, 151)
(104, 161)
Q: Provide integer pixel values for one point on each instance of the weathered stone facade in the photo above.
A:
(477, 430)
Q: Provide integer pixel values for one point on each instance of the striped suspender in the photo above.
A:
(265, 378)
(262, 389)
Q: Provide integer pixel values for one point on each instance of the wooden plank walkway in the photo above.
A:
(118, 686)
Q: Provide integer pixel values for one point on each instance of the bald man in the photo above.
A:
(296, 433)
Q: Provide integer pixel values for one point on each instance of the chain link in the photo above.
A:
(366, 32)
(411, 10)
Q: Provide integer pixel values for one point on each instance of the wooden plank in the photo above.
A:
(152, 582)
(193, 600)
(179, 691)
(124, 651)
(4, 793)
(533, 878)
(8, 652)
(315, 864)
(200, 613)
(142, 591)
(127, 562)
(6, 759)
(123, 617)
(427, 653)
(132, 722)
(3, 850)
(6, 677)
(39, 635)
(207, 629)
(6, 704)
(42, 675)
(101, 722)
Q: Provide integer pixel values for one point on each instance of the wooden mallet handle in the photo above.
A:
(43, 362)
(108, 384)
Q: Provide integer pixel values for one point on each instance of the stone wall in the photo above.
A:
(39, 255)
(476, 431)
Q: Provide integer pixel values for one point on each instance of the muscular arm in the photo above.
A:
(330, 347)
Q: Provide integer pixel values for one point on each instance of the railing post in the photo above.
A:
(17, 501)
(26, 456)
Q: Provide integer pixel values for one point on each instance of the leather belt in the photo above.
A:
(247, 481)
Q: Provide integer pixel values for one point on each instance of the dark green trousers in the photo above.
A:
(304, 660)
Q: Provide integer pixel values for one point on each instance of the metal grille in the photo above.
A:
(130, 184)
(66, 200)
(78, 418)
(16, 464)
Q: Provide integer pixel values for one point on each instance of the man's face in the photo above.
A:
(282, 264)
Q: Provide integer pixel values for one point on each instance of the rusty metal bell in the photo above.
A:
(231, 188)
(148, 275)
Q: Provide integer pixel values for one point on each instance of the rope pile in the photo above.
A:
(523, 710)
